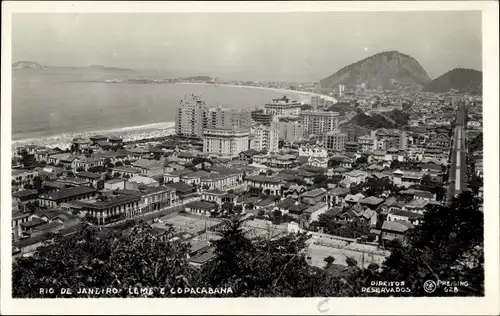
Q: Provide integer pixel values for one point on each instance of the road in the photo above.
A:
(457, 178)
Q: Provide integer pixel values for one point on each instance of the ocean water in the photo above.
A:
(51, 102)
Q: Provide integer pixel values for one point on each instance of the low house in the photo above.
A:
(411, 217)
(336, 196)
(55, 198)
(355, 176)
(24, 197)
(369, 216)
(219, 197)
(221, 180)
(263, 184)
(201, 207)
(312, 213)
(406, 178)
(371, 202)
(184, 192)
(175, 175)
(17, 219)
(114, 184)
(194, 178)
(126, 171)
(149, 167)
(75, 182)
(395, 230)
(295, 190)
(133, 182)
(89, 176)
(353, 199)
(111, 208)
(314, 196)
(391, 204)
(416, 206)
(85, 163)
(23, 176)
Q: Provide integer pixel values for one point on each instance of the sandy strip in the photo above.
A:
(284, 91)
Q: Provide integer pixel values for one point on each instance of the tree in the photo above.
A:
(259, 267)
(37, 183)
(329, 261)
(351, 262)
(118, 164)
(103, 258)
(127, 162)
(437, 247)
(28, 186)
(70, 173)
(475, 183)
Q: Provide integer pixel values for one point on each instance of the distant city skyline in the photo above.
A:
(248, 46)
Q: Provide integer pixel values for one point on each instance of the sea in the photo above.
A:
(48, 102)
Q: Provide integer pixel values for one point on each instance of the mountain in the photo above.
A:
(387, 70)
(34, 65)
(199, 78)
(463, 80)
(27, 65)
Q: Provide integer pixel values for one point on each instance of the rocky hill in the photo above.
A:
(34, 65)
(388, 70)
(27, 65)
(463, 80)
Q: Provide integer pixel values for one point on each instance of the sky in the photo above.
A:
(248, 46)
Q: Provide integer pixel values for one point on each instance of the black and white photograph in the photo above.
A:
(321, 154)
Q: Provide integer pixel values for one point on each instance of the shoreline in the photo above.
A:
(151, 130)
(284, 91)
(128, 133)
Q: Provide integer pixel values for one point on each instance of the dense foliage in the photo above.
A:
(447, 246)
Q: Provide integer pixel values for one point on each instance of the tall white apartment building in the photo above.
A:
(265, 137)
(319, 122)
(189, 117)
(225, 142)
(227, 117)
(283, 107)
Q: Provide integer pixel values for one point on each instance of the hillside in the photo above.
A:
(386, 120)
(341, 108)
(199, 78)
(463, 80)
(388, 70)
(27, 65)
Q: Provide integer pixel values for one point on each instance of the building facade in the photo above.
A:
(265, 137)
(283, 107)
(225, 142)
(290, 131)
(319, 122)
(189, 118)
(226, 117)
(335, 141)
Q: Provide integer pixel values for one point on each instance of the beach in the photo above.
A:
(283, 91)
(129, 133)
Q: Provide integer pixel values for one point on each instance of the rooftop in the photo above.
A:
(397, 226)
(69, 192)
(86, 174)
(204, 205)
(371, 200)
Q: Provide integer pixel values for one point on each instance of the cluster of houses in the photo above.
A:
(103, 181)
